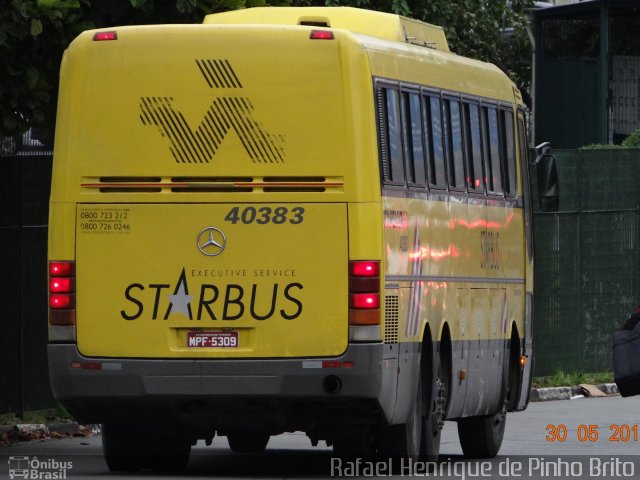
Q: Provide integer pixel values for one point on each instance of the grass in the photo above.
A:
(51, 415)
(571, 379)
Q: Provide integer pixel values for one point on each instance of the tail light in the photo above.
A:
(321, 35)
(364, 299)
(62, 297)
(105, 36)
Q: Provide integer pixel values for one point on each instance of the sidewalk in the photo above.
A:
(38, 431)
(571, 393)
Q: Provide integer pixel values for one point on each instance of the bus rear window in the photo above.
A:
(391, 135)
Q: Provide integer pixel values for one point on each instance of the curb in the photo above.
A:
(67, 427)
(569, 393)
(21, 432)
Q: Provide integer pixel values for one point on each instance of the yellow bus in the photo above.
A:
(288, 219)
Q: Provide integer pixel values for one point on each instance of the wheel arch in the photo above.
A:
(513, 369)
(445, 356)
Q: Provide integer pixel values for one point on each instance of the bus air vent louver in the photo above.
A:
(213, 184)
(391, 315)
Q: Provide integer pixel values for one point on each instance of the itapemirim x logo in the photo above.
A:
(225, 113)
(32, 468)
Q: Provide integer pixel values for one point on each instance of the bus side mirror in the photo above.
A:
(547, 172)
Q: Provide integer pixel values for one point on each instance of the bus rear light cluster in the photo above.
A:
(62, 298)
(364, 292)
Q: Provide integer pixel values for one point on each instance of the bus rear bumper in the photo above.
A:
(89, 387)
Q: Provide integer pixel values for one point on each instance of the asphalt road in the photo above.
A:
(531, 450)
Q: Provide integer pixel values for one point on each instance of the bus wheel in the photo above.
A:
(413, 439)
(129, 448)
(481, 437)
(119, 449)
(403, 440)
(434, 419)
(248, 441)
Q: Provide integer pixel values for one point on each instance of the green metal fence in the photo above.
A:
(587, 260)
(24, 200)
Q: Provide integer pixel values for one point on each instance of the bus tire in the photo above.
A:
(128, 448)
(481, 437)
(434, 417)
(419, 438)
(248, 441)
(403, 440)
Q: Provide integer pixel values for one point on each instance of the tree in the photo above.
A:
(34, 34)
(31, 38)
(494, 31)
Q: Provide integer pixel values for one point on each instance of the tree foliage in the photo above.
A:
(31, 36)
(34, 34)
(491, 30)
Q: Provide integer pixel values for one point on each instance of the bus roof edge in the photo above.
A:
(376, 24)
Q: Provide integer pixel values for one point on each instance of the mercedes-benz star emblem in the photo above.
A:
(211, 241)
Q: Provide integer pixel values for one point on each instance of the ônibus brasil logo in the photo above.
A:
(210, 301)
(33, 468)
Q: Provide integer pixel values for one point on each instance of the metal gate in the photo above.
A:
(24, 198)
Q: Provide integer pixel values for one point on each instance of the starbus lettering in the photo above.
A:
(213, 301)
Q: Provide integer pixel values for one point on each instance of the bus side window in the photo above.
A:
(508, 151)
(392, 121)
(522, 140)
(453, 137)
(523, 148)
(473, 137)
(413, 142)
(492, 150)
(433, 127)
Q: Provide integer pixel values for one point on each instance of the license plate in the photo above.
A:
(212, 339)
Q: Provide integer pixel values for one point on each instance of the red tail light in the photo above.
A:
(321, 35)
(61, 269)
(365, 268)
(62, 299)
(365, 300)
(60, 302)
(364, 292)
(105, 36)
(61, 285)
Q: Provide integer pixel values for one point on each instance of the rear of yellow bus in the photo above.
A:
(215, 233)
